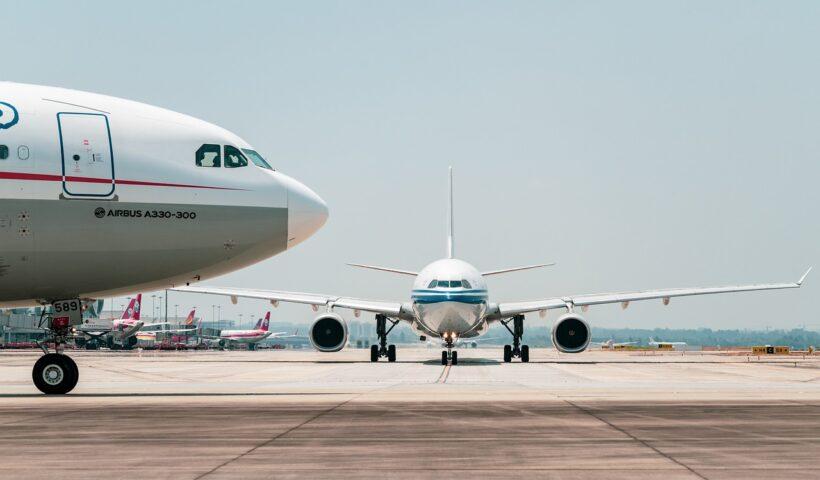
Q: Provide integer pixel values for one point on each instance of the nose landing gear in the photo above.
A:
(56, 373)
(516, 349)
(449, 356)
(383, 349)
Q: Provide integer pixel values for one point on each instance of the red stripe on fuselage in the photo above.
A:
(41, 177)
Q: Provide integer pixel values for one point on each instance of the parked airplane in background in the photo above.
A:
(120, 331)
(151, 335)
(251, 337)
(610, 344)
(90, 182)
(665, 345)
(450, 301)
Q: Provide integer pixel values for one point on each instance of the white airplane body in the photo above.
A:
(450, 301)
(89, 181)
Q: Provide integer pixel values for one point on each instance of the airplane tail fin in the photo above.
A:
(191, 317)
(133, 310)
(265, 322)
(450, 236)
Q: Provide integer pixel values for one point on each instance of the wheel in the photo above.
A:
(391, 353)
(251, 346)
(444, 357)
(374, 353)
(54, 373)
(507, 353)
(454, 360)
(525, 353)
(129, 343)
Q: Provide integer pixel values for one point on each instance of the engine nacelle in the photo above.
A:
(571, 333)
(328, 333)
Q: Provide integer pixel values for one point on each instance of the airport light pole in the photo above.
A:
(219, 316)
(240, 320)
(153, 306)
(176, 315)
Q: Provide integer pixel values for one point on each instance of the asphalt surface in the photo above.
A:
(300, 414)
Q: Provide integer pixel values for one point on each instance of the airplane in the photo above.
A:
(151, 335)
(665, 345)
(101, 197)
(250, 337)
(610, 344)
(450, 301)
(121, 331)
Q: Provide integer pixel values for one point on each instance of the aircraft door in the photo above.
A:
(88, 157)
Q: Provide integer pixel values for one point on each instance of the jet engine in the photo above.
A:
(571, 334)
(328, 333)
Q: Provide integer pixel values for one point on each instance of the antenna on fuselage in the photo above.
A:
(450, 237)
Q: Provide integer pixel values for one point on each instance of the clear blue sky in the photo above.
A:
(638, 144)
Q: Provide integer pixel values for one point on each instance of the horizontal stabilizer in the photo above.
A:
(516, 269)
(385, 269)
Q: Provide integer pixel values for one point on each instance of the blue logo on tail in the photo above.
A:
(8, 115)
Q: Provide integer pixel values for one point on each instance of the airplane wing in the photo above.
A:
(317, 300)
(506, 310)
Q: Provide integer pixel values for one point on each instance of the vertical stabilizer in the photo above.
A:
(190, 320)
(450, 236)
(266, 322)
(133, 310)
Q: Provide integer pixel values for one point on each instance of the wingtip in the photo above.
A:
(803, 278)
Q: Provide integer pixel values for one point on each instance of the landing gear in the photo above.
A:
(449, 356)
(383, 349)
(56, 373)
(516, 349)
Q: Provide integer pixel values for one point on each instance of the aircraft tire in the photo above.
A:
(507, 353)
(55, 374)
(454, 360)
(444, 357)
(391, 353)
(525, 353)
(374, 353)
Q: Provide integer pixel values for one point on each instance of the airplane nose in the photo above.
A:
(307, 212)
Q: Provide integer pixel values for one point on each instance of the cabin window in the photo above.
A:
(234, 158)
(257, 159)
(23, 152)
(209, 155)
(466, 284)
(4, 152)
(432, 284)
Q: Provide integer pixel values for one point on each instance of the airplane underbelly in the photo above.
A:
(54, 249)
(449, 316)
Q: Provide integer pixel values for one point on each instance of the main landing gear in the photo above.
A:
(383, 349)
(449, 356)
(56, 373)
(516, 349)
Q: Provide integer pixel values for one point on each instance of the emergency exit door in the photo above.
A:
(88, 158)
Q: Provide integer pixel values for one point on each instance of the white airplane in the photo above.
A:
(103, 197)
(250, 337)
(610, 344)
(450, 301)
(653, 343)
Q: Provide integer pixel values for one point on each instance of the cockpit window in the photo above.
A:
(257, 159)
(209, 155)
(234, 158)
(432, 284)
(455, 283)
(466, 284)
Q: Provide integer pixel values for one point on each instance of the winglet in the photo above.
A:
(800, 282)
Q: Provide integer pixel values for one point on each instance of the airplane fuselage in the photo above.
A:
(449, 298)
(101, 196)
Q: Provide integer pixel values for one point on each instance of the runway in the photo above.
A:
(300, 414)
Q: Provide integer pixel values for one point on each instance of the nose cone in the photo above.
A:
(307, 212)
